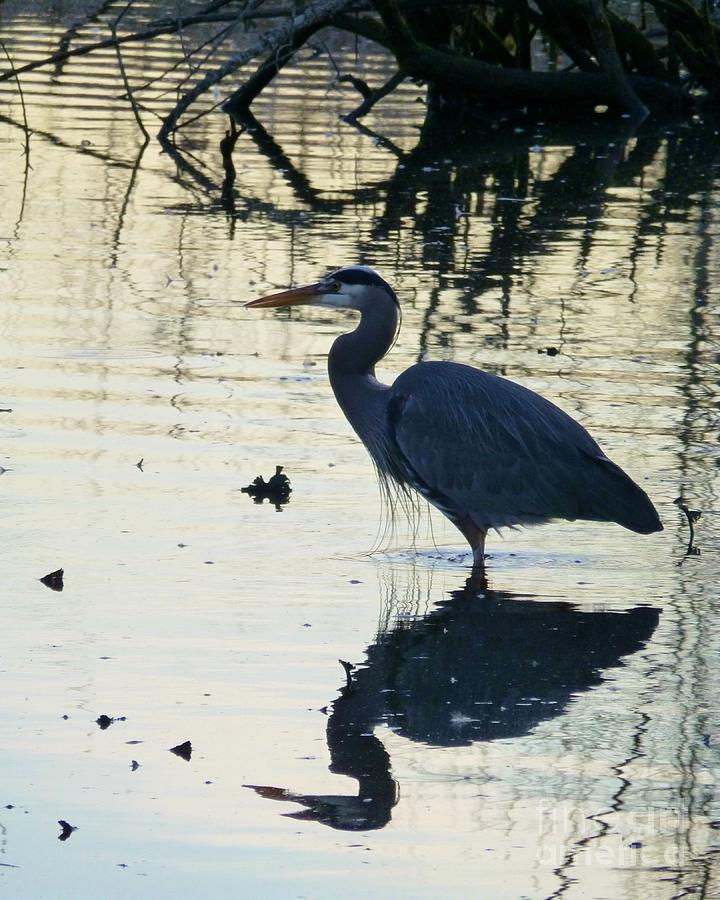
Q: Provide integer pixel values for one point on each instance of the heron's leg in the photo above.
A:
(476, 538)
(478, 549)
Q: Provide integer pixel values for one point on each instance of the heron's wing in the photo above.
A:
(484, 446)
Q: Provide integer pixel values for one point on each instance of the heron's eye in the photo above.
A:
(336, 287)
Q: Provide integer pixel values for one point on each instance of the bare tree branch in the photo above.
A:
(165, 26)
(270, 41)
(511, 86)
(26, 132)
(26, 127)
(241, 99)
(375, 96)
(213, 41)
(123, 73)
(609, 59)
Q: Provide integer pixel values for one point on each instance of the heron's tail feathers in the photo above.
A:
(613, 496)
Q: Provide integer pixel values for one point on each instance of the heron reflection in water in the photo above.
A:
(488, 453)
(462, 674)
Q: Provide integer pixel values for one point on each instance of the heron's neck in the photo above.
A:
(357, 353)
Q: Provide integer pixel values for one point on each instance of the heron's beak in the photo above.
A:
(309, 295)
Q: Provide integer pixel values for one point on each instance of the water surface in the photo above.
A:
(554, 736)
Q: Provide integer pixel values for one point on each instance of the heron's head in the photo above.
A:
(352, 287)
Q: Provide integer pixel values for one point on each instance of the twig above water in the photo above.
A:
(268, 41)
(692, 516)
(26, 131)
(123, 73)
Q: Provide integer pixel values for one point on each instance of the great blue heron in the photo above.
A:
(485, 451)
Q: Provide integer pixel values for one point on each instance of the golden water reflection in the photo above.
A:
(201, 616)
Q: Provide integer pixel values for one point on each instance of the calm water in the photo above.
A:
(557, 736)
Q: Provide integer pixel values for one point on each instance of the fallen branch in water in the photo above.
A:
(154, 29)
(609, 59)
(512, 86)
(239, 102)
(374, 96)
(316, 16)
(470, 56)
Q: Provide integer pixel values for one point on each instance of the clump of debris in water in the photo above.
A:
(276, 489)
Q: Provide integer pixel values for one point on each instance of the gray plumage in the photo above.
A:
(484, 450)
(505, 455)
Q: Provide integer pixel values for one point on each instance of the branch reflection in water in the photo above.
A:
(482, 665)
